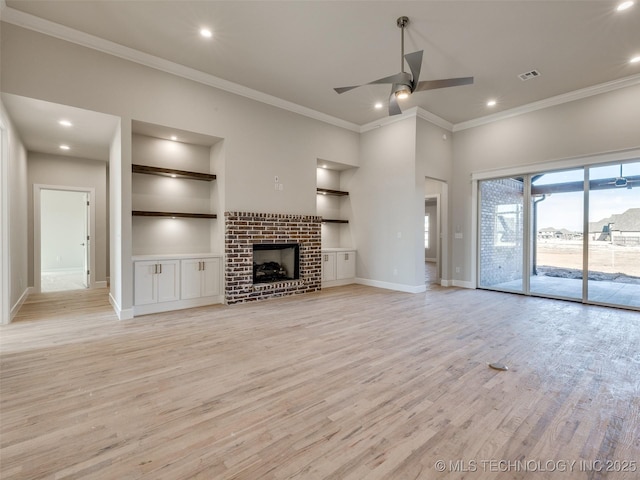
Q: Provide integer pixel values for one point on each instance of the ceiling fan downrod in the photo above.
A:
(402, 22)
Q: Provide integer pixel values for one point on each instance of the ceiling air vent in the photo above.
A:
(529, 75)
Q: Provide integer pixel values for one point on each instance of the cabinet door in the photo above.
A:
(191, 281)
(211, 277)
(345, 265)
(144, 283)
(168, 279)
(328, 266)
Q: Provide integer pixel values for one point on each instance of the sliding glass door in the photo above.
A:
(571, 234)
(557, 208)
(614, 235)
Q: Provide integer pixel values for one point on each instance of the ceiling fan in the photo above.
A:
(622, 181)
(404, 84)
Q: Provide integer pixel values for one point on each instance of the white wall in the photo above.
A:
(47, 169)
(260, 141)
(13, 227)
(603, 123)
(434, 160)
(387, 224)
(15, 197)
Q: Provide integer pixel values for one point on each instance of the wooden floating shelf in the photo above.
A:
(329, 220)
(170, 172)
(142, 213)
(327, 191)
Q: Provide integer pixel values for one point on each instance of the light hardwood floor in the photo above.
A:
(351, 383)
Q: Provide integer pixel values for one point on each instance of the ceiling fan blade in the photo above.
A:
(398, 77)
(345, 89)
(394, 108)
(447, 82)
(415, 64)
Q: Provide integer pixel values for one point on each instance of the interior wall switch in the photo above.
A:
(458, 235)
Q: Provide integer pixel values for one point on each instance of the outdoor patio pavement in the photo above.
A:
(600, 291)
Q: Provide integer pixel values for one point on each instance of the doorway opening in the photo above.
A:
(435, 195)
(62, 237)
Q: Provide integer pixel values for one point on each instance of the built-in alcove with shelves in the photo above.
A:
(333, 204)
(177, 241)
(174, 191)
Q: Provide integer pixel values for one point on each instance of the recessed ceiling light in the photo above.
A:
(378, 106)
(65, 123)
(206, 33)
(635, 59)
(174, 138)
(64, 147)
(491, 103)
(625, 5)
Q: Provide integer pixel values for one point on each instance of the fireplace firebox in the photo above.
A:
(275, 262)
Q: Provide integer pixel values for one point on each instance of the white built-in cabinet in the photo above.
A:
(162, 284)
(156, 281)
(338, 267)
(200, 277)
(328, 266)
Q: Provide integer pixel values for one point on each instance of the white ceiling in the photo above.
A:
(299, 50)
(37, 123)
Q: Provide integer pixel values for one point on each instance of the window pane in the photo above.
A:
(557, 209)
(614, 234)
(426, 231)
(501, 234)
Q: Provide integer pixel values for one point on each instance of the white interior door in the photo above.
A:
(64, 240)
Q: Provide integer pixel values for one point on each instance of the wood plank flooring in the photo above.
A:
(350, 383)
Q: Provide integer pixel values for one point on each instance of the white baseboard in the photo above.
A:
(122, 314)
(399, 287)
(101, 284)
(462, 284)
(14, 310)
(176, 305)
(337, 283)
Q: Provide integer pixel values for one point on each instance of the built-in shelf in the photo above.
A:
(170, 172)
(330, 220)
(328, 191)
(142, 213)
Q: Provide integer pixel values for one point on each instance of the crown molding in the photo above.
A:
(550, 102)
(383, 122)
(40, 25)
(435, 119)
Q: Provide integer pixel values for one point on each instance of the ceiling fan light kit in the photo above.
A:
(403, 84)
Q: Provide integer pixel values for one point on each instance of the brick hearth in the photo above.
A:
(243, 229)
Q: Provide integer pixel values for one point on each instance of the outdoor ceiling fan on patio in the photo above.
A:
(404, 84)
(622, 181)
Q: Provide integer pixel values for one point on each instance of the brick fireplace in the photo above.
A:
(243, 230)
